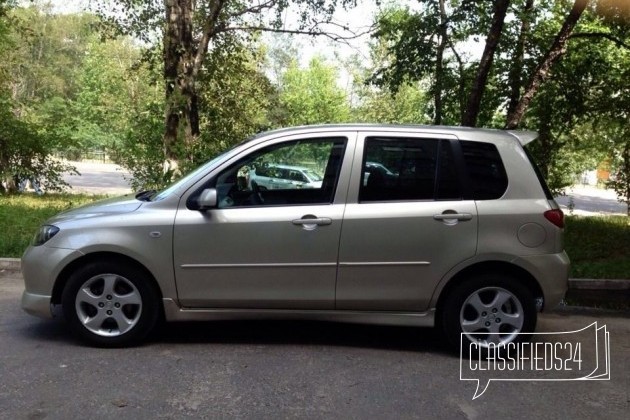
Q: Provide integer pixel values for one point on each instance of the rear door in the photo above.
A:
(406, 223)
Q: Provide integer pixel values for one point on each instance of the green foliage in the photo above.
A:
(38, 72)
(408, 105)
(621, 176)
(234, 98)
(582, 111)
(412, 39)
(108, 89)
(140, 149)
(311, 95)
(599, 247)
(120, 107)
(25, 153)
(20, 217)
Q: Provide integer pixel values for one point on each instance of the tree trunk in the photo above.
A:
(485, 65)
(180, 93)
(183, 57)
(555, 52)
(626, 166)
(516, 69)
(621, 184)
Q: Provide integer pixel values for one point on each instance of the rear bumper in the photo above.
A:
(552, 273)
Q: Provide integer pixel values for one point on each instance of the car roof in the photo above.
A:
(468, 133)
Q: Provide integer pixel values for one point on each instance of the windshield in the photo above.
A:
(203, 168)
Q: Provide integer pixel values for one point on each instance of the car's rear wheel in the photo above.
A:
(110, 304)
(490, 311)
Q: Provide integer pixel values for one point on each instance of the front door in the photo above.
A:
(266, 248)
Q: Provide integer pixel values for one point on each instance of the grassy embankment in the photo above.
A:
(21, 215)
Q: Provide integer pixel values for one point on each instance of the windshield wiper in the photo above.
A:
(145, 195)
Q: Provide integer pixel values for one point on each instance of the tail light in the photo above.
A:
(556, 217)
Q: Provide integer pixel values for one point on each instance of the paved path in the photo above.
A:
(589, 201)
(98, 178)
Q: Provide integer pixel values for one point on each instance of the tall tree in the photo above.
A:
(39, 55)
(189, 29)
(485, 64)
(423, 45)
(581, 110)
(557, 49)
(417, 50)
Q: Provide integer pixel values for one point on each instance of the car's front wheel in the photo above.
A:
(110, 304)
(488, 311)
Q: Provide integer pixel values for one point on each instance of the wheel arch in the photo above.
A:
(485, 267)
(64, 275)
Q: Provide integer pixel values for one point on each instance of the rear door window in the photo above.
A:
(408, 169)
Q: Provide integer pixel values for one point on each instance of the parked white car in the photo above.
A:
(275, 176)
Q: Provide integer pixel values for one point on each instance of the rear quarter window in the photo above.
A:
(485, 170)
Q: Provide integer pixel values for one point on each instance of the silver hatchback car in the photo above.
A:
(460, 231)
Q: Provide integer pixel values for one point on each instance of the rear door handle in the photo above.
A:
(319, 221)
(453, 216)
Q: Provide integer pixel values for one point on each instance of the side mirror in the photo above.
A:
(207, 199)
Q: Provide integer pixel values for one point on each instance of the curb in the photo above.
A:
(10, 264)
(599, 284)
(574, 284)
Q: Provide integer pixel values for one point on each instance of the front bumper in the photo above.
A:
(38, 305)
(41, 266)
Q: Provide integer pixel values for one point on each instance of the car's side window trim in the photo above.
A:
(460, 164)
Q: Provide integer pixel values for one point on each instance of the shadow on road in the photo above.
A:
(304, 333)
(292, 333)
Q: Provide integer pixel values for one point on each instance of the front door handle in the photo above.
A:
(310, 222)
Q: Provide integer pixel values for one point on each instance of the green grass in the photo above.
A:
(21, 215)
(599, 247)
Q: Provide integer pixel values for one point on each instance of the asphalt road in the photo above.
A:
(280, 370)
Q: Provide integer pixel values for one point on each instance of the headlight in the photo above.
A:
(45, 233)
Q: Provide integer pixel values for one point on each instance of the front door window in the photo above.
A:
(275, 175)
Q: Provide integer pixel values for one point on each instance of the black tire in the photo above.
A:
(110, 304)
(512, 317)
